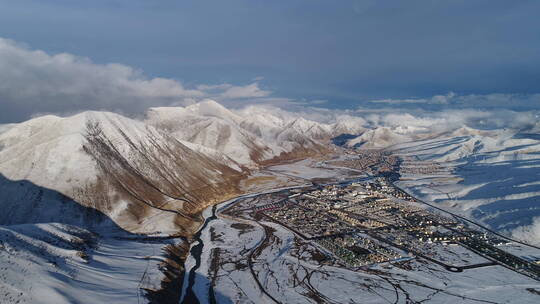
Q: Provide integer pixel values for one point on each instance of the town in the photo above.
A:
(371, 221)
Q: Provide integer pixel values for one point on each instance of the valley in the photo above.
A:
(208, 204)
(269, 152)
(364, 233)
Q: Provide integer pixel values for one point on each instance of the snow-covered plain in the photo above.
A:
(248, 261)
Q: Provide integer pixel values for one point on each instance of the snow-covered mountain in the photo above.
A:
(68, 182)
(213, 126)
(380, 137)
(136, 186)
(164, 168)
(177, 157)
(121, 168)
(246, 137)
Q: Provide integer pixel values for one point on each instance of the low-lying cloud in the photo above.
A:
(407, 121)
(495, 100)
(437, 99)
(32, 81)
(440, 121)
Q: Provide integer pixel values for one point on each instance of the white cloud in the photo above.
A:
(494, 100)
(448, 120)
(499, 100)
(412, 121)
(318, 101)
(27, 73)
(437, 99)
(32, 81)
(248, 91)
(214, 87)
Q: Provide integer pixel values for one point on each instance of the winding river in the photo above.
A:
(195, 252)
(189, 295)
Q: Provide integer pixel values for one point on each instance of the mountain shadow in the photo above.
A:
(342, 139)
(23, 202)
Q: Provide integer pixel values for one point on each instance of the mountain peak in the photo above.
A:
(212, 108)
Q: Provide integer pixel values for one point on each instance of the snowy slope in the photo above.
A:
(210, 125)
(247, 137)
(94, 168)
(488, 175)
(380, 137)
(85, 200)
(48, 174)
(81, 194)
(491, 177)
(55, 263)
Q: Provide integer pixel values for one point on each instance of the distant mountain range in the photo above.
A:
(99, 207)
(177, 160)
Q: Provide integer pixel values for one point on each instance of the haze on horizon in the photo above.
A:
(125, 56)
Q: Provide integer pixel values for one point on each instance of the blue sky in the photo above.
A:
(343, 52)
